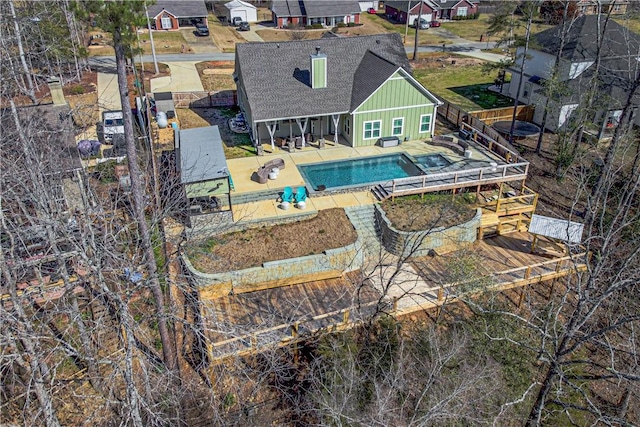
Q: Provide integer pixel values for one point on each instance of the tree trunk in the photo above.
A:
(137, 193)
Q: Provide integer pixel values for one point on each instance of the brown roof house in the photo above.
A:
(173, 14)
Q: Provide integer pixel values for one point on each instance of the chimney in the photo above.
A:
(318, 69)
(55, 87)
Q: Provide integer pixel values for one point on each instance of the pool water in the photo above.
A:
(432, 161)
(367, 170)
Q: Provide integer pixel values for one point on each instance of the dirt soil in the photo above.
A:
(413, 214)
(216, 75)
(250, 248)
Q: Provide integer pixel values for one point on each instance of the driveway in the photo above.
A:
(251, 35)
(184, 78)
(199, 44)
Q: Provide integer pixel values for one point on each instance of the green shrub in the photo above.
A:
(77, 90)
(353, 24)
(341, 25)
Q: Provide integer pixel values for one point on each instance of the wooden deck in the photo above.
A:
(245, 322)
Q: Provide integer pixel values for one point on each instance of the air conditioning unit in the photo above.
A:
(195, 209)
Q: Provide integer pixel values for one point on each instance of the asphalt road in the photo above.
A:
(107, 63)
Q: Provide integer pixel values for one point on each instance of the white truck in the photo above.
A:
(112, 124)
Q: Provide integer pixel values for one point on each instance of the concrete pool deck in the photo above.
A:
(241, 170)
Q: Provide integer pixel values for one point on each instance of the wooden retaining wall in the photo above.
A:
(489, 117)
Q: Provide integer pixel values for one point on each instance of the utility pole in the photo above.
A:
(417, 25)
(406, 22)
(153, 46)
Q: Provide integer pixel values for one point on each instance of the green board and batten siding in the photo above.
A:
(398, 97)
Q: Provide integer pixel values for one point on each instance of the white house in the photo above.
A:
(243, 10)
(619, 64)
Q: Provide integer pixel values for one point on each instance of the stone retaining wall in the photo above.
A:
(282, 272)
(421, 243)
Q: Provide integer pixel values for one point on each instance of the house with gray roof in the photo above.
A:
(328, 13)
(614, 77)
(173, 14)
(351, 90)
(429, 10)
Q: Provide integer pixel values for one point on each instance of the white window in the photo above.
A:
(372, 129)
(397, 127)
(425, 123)
(165, 22)
(462, 11)
(347, 126)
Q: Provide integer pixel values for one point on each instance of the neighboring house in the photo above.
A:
(593, 7)
(455, 9)
(310, 12)
(173, 14)
(619, 66)
(431, 10)
(240, 9)
(202, 166)
(400, 10)
(354, 89)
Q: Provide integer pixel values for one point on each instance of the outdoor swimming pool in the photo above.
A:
(433, 161)
(367, 170)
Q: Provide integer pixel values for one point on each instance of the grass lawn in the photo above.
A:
(472, 29)
(216, 75)
(224, 36)
(383, 25)
(463, 84)
(165, 42)
(632, 23)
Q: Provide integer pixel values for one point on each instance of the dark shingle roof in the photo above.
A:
(314, 8)
(372, 72)
(179, 8)
(582, 39)
(285, 8)
(318, 9)
(275, 76)
(402, 5)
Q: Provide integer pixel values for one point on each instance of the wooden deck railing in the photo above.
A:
(434, 297)
(456, 179)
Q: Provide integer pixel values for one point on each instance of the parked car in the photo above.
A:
(202, 30)
(372, 11)
(435, 23)
(235, 21)
(112, 125)
(244, 26)
(424, 24)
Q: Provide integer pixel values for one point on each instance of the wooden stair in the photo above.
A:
(380, 193)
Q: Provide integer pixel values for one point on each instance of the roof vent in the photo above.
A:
(317, 50)
(377, 41)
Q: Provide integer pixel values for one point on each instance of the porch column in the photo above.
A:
(271, 127)
(321, 130)
(302, 124)
(336, 122)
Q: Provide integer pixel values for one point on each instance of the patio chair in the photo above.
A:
(287, 195)
(301, 197)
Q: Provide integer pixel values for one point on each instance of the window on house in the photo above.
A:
(462, 11)
(372, 129)
(617, 8)
(347, 126)
(397, 128)
(165, 21)
(425, 123)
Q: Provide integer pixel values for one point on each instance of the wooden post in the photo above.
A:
(441, 294)
(533, 243)
(527, 273)
(345, 317)
(294, 330)
(521, 299)
(395, 304)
